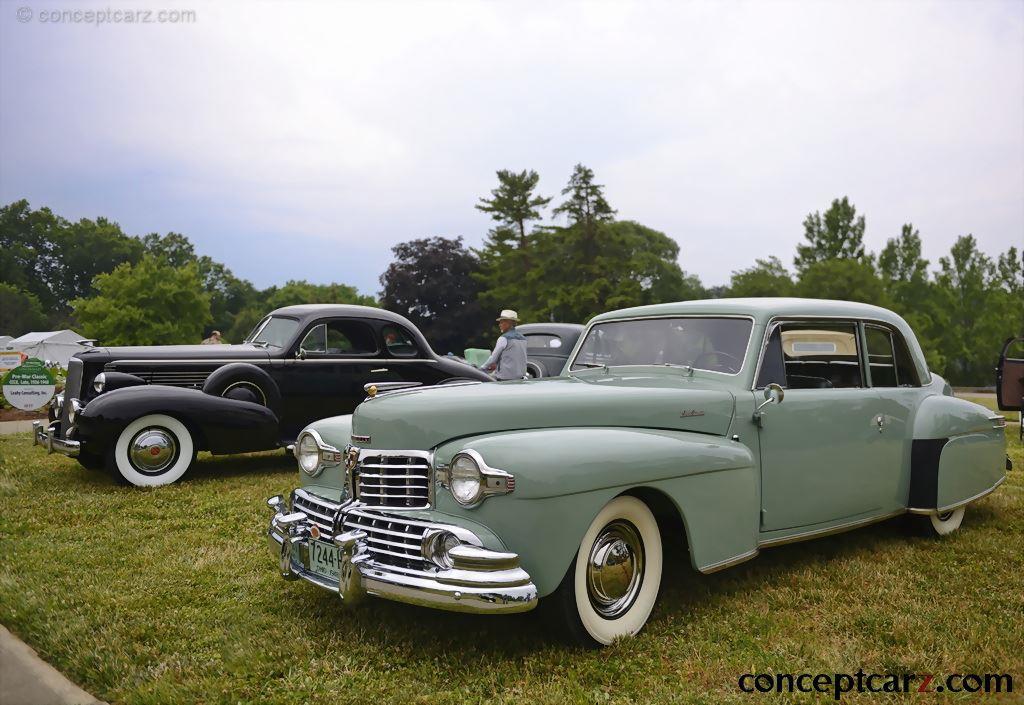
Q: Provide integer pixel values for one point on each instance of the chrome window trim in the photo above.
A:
(769, 328)
(893, 332)
(571, 360)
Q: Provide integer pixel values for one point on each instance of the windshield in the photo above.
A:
(715, 344)
(274, 331)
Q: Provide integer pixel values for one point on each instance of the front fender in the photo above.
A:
(220, 425)
(565, 476)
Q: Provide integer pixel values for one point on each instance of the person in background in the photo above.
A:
(508, 361)
(214, 339)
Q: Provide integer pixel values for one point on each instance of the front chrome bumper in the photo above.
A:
(480, 580)
(44, 434)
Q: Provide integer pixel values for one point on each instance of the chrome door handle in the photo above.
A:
(379, 369)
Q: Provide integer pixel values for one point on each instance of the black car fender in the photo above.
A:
(243, 381)
(218, 424)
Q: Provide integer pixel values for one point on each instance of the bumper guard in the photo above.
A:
(46, 435)
(480, 580)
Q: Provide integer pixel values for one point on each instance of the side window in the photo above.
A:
(821, 355)
(881, 357)
(773, 367)
(315, 340)
(542, 341)
(906, 370)
(350, 338)
(398, 341)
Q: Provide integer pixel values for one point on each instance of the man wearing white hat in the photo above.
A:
(508, 361)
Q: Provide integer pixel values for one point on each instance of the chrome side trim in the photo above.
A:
(961, 503)
(729, 562)
(819, 533)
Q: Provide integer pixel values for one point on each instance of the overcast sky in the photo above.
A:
(303, 140)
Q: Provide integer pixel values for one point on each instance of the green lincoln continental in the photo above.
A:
(728, 426)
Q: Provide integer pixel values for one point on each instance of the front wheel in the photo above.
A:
(153, 450)
(610, 589)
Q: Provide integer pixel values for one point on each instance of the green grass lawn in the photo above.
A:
(170, 596)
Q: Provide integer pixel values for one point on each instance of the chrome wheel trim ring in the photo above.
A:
(153, 450)
(615, 569)
(246, 385)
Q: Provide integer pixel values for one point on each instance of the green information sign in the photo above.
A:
(29, 386)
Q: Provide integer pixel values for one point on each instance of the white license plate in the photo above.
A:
(324, 560)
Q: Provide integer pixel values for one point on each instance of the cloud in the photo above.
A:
(303, 139)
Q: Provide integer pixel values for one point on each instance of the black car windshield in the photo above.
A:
(715, 344)
(274, 331)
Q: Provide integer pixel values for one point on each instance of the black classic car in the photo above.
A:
(144, 412)
(548, 346)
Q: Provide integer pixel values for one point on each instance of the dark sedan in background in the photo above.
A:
(548, 346)
(145, 411)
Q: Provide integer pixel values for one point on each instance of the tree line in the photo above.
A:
(155, 289)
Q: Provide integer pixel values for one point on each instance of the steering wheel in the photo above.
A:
(722, 366)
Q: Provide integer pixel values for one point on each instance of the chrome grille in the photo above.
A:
(391, 540)
(396, 481)
(193, 379)
(319, 510)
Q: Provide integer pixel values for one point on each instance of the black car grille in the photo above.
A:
(397, 481)
(190, 379)
(72, 390)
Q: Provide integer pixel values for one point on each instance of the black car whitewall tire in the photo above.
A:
(611, 587)
(153, 450)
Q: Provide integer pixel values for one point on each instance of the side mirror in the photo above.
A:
(773, 394)
(300, 354)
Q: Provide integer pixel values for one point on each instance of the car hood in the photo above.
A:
(422, 419)
(176, 352)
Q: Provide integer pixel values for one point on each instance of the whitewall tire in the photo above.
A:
(611, 587)
(946, 523)
(153, 450)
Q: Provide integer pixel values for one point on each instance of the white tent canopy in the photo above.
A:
(56, 346)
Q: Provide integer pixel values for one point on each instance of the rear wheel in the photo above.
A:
(938, 523)
(610, 589)
(153, 450)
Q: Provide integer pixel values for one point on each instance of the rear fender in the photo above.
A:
(220, 425)
(958, 453)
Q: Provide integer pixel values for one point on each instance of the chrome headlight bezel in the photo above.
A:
(489, 481)
(99, 383)
(325, 455)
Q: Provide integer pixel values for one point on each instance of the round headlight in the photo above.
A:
(307, 452)
(465, 479)
(99, 383)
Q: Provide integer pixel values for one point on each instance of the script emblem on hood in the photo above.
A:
(686, 413)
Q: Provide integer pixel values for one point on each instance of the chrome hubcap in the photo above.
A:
(615, 569)
(153, 450)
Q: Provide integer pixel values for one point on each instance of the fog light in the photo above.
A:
(436, 545)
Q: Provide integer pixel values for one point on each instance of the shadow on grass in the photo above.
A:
(212, 467)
